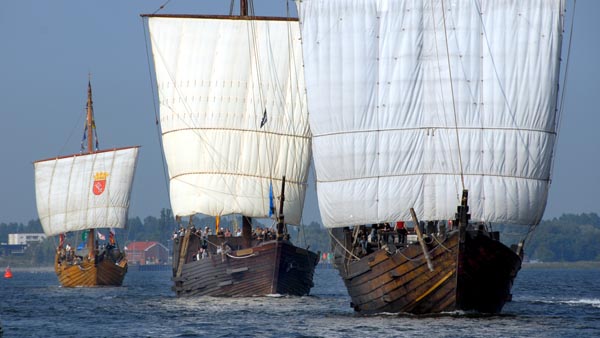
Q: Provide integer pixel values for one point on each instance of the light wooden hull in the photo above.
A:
(471, 275)
(273, 267)
(89, 274)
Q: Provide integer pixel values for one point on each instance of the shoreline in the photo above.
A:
(562, 265)
(32, 269)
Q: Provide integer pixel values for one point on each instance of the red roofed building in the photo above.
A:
(144, 253)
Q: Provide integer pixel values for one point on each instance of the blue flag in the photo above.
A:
(271, 200)
(81, 246)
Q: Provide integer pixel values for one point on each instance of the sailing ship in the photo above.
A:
(440, 116)
(84, 192)
(236, 140)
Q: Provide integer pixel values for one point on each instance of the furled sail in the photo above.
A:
(85, 191)
(410, 98)
(233, 113)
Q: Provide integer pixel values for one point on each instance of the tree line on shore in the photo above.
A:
(159, 229)
(568, 238)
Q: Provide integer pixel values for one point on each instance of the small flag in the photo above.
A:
(84, 236)
(81, 246)
(264, 119)
(84, 138)
(101, 236)
(271, 200)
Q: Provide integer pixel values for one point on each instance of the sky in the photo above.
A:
(48, 48)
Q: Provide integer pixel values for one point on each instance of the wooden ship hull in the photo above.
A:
(472, 274)
(89, 274)
(263, 268)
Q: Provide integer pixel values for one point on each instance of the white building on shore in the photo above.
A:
(24, 239)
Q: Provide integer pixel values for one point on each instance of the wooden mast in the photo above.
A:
(243, 7)
(280, 217)
(462, 215)
(90, 149)
(246, 221)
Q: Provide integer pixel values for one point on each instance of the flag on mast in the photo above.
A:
(271, 201)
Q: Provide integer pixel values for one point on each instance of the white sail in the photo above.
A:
(85, 191)
(401, 98)
(217, 79)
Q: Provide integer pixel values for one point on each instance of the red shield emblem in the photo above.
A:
(99, 183)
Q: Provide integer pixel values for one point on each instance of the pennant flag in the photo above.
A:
(101, 236)
(264, 119)
(111, 236)
(84, 138)
(96, 135)
(271, 201)
(84, 235)
(81, 246)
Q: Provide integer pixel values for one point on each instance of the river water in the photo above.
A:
(546, 303)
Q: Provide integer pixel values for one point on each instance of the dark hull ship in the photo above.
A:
(234, 122)
(412, 103)
(238, 270)
(471, 271)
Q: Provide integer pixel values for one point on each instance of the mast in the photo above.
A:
(243, 7)
(90, 136)
(247, 231)
(246, 221)
(90, 119)
(280, 218)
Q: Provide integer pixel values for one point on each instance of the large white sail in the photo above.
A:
(233, 114)
(85, 191)
(401, 98)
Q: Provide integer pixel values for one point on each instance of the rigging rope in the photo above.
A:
(559, 111)
(254, 56)
(462, 178)
(445, 122)
(156, 120)
(342, 246)
(161, 7)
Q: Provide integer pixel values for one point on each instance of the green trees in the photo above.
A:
(568, 238)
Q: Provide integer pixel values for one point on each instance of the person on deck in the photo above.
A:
(401, 232)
